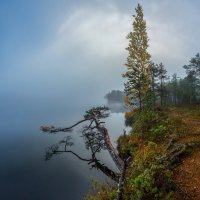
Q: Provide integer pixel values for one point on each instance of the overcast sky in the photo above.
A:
(73, 52)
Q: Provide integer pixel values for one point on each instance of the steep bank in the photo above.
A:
(164, 145)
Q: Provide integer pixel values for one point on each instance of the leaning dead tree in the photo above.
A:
(96, 138)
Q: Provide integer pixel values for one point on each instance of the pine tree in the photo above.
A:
(162, 76)
(193, 75)
(194, 66)
(154, 73)
(174, 89)
(189, 88)
(138, 73)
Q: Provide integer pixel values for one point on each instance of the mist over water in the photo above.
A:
(60, 58)
(23, 172)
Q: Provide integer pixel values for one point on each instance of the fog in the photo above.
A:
(59, 58)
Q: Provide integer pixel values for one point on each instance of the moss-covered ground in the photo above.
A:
(164, 146)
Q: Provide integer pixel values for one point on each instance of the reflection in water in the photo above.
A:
(96, 138)
(23, 172)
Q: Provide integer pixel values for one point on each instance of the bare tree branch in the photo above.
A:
(96, 138)
(69, 151)
(52, 129)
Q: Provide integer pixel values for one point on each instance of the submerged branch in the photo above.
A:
(108, 172)
(94, 162)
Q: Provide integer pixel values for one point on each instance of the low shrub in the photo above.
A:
(145, 121)
(130, 117)
(101, 191)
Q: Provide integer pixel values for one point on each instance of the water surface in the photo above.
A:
(23, 172)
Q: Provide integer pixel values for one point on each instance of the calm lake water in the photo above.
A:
(23, 172)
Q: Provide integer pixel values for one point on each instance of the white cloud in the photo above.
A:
(84, 57)
(88, 51)
(167, 44)
(100, 33)
(173, 32)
